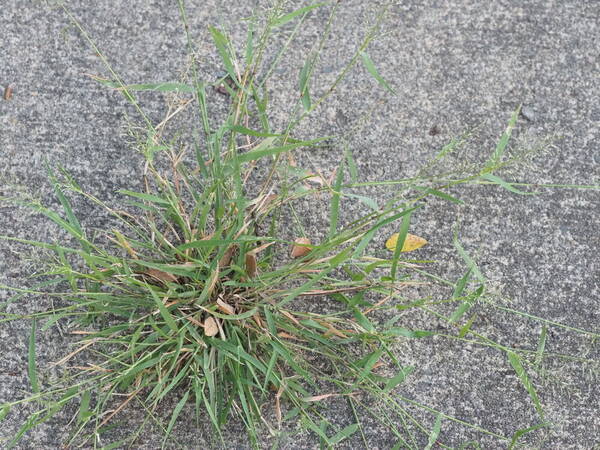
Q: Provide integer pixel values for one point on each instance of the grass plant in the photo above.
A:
(195, 295)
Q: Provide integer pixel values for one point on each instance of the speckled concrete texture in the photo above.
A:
(456, 65)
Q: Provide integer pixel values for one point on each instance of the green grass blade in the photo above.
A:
(31, 368)
(157, 87)
(345, 433)
(27, 425)
(368, 236)
(467, 259)
(519, 433)
(467, 326)
(261, 152)
(303, 83)
(508, 186)
(222, 45)
(461, 284)
(147, 197)
(435, 432)
(290, 16)
(466, 304)
(515, 362)
(440, 194)
(503, 142)
(116, 444)
(241, 316)
(352, 168)
(335, 201)
(164, 312)
(400, 243)
(370, 66)
(405, 332)
(317, 430)
(4, 411)
(366, 200)
(64, 201)
(174, 416)
(248, 132)
(84, 412)
(398, 378)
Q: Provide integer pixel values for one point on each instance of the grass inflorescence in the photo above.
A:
(199, 292)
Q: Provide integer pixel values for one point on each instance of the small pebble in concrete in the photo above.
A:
(528, 113)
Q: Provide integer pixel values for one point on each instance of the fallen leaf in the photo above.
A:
(411, 242)
(8, 91)
(225, 307)
(299, 249)
(226, 258)
(165, 277)
(251, 264)
(210, 326)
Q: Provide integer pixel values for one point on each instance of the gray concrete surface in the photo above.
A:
(455, 64)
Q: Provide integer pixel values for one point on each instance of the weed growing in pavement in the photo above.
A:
(198, 293)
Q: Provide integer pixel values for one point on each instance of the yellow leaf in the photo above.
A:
(411, 242)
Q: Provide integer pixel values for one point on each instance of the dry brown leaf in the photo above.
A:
(210, 326)
(251, 264)
(165, 277)
(225, 307)
(226, 258)
(299, 249)
(8, 92)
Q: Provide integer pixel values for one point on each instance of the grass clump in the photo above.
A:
(199, 292)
